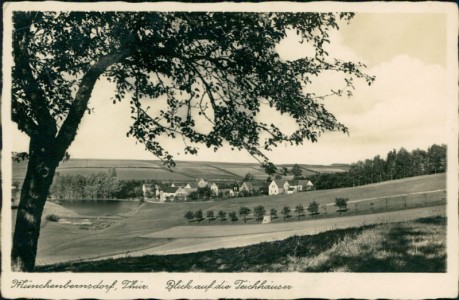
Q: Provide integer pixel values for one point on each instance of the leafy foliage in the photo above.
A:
(313, 207)
(397, 165)
(198, 215)
(103, 185)
(244, 212)
(189, 215)
(233, 216)
(249, 177)
(215, 65)
(299, 209)
(286, 212)
(296, 171)
(259, 212)
(341, 203)
(210, 215)
(222, 215)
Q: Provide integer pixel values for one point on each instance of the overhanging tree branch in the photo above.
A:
(69, 128)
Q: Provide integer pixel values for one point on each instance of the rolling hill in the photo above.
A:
(184, 171)
(128, 234)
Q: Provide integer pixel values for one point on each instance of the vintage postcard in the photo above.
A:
(230, 150)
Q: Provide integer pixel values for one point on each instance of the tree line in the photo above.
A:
(397, 165)
(95, 186)
(259, 212)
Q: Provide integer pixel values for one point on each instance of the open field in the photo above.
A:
(64, 242)
(414, 246)
(184, 171)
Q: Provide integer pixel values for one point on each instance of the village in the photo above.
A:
(202, 189)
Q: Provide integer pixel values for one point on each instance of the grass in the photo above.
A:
(415, 246)
(63, 242)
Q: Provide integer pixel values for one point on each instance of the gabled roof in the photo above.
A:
(280, 182)
(295, 182)
(170, 189)
(193, 185)
(147, 185)
(212, 183)
(249, 185)
(305, 182)
(181, 189)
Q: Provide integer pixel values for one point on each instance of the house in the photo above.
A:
(278, 187)
(305, 185)
(227, 193)
(168, 193)
(295, 185)
(202, 183)
(191, 187)
(247, 186)
(235, 186)
(214, 189)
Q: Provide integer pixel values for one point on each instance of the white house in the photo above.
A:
(247, 186)
(191, 187)
(278, 187)
(202, 183)
(214, 189)
(168, 193)
(305, 185)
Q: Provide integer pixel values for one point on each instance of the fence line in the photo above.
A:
(399, 195)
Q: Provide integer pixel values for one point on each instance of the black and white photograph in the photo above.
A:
(267, 150)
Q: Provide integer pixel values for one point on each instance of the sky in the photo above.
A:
(405, 107)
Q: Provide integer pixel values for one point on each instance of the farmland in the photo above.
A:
(412, 246)
(184, 171)
(129, 233)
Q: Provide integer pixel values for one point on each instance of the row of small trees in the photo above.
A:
(259, 211)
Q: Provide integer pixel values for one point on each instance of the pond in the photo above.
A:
(100, 207)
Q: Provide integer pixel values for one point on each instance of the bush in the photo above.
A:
(341, 203)
(273, 213)
(189, 215)
(313, 208)
(210, 215)
(233, 216)
(198, 215)
(53, 218)
(222, 216)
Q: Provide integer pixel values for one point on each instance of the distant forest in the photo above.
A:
(397, 164)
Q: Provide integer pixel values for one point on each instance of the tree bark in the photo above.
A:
(40, 172)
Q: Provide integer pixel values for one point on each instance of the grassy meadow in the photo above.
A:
(63, 242)
(414, 246)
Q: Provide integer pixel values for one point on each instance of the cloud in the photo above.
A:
(407, 106)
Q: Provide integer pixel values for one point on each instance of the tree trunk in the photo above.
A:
(40, 172)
